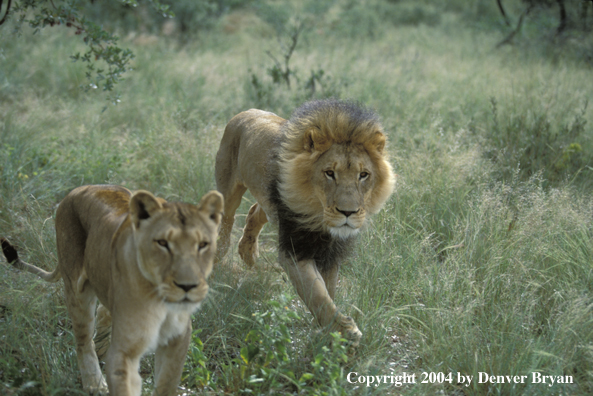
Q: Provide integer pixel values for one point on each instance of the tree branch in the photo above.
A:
(510, 37)
(5, 12)
(563, 17)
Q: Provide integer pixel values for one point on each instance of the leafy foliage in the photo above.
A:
(269, 360)
(103, 48)
(196, 374)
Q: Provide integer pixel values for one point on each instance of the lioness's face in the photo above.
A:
(176, 245)
(343, 180)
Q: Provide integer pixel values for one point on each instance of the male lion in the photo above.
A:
(147, 261)
(317, 176)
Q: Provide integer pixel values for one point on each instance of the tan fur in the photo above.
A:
(332, 170)
(146, 260)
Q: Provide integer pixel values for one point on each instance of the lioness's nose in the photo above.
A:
(185, 288)
(347, 212)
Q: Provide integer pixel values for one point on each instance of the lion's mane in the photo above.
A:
(300, 213)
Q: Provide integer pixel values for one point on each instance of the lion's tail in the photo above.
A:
(13, 258)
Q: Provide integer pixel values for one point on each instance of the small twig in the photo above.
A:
(294, 41)
(504, 14)
(282, 72)
(278, 64)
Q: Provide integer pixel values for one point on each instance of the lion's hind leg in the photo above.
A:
(232, 200)
(248, 249)
(103, 336)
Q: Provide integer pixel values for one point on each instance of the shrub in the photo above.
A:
(271, 361)
(532, 142)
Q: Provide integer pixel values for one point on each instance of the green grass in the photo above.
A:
(482, 261)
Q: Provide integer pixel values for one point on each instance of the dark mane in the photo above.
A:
(303, 244)
(357, 116)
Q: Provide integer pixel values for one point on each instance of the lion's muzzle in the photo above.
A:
(344, 223)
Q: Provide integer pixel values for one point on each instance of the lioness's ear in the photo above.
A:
(142, 206)
(313, 140)
(212, 203)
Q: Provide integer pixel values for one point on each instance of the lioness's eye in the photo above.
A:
(202, 245)
(363, 175)
(329, 174)
(163, 243)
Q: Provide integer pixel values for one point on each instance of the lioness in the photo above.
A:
(147, 261)
(318, 176)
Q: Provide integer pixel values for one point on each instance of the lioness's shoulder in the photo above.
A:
(93, 200)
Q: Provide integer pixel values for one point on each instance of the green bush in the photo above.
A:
(531, 142)
(270, 360)
(367, 19)
(359, 20)
(412, 14)
(193, 16)
(190, 16)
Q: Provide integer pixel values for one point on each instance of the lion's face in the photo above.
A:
(342, 180)
(175, 245)
(335, 175)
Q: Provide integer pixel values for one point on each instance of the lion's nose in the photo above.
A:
(347, 212)
(185, 288)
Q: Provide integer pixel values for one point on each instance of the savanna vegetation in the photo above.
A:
(482, 260)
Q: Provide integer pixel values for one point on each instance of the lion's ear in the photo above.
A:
(378, 142)
(213, 204)
(143, 205)
(315, 141)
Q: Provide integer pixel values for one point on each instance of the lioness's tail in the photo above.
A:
(13, 258)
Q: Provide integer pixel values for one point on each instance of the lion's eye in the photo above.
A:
(363, 175)
(330, 174)
(202, 245)
(162, 243)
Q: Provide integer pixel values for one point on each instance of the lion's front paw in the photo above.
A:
(349, 330)
(248, 250)
(100, 390)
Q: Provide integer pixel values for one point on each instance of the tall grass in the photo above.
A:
(480, 262)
